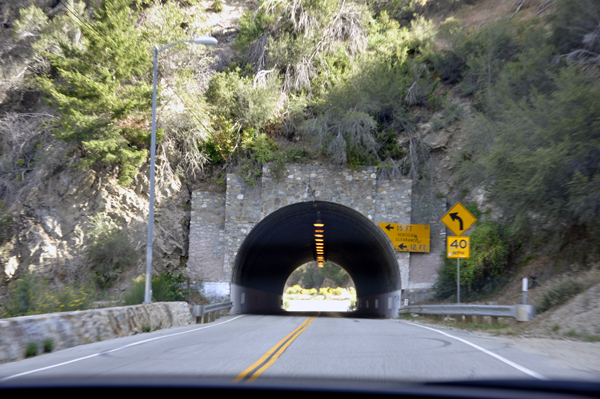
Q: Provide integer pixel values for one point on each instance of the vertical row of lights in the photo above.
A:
(320, 242)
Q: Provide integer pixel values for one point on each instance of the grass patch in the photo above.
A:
(481, 326)
(561, 293)
(146, 328)
(572, 333)
(555, 327)
(500, 327)
(592, 338)
(406, 316)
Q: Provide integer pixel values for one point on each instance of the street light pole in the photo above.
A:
(207, 41)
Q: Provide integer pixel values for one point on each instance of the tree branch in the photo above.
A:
(518, 8)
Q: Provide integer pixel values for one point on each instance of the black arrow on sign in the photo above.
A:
(454, 216)
(402, 246)
(389, 227)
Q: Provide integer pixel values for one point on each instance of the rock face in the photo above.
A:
(69, 329)
(53, 225)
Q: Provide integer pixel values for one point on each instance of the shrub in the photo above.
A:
(6, 223)
(32, 295)
(352, 304)
(297, 155)
(294, 290)
(166, 287)
(542, 155)
(110, 251)
(24, 294)
(217, 6)
(560, 293)
(485, 271)
(48, 345)
(66, 299)
(135, 295)
(31, 349)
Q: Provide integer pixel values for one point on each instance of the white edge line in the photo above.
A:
(502, 359)
(112, 350)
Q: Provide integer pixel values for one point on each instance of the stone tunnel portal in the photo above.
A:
(285, 239)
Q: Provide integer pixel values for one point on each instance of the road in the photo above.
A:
(306, 346)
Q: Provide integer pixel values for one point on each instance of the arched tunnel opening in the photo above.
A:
(328, 288)
(285, 239)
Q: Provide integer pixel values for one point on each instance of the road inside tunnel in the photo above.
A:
(285, 240)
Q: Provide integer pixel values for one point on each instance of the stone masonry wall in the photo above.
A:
(207, 234)
(393, 205)
(68, 329)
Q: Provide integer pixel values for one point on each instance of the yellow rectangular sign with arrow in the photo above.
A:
(408, 237)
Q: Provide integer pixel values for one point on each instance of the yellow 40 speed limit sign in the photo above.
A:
(458, 247)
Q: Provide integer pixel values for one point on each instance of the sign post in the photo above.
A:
(458, 280)
(458, 219)
(458, 248)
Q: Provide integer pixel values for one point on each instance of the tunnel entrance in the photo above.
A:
(285, 240)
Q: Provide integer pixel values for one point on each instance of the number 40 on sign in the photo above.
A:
(458, 247)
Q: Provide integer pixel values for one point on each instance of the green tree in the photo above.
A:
(101, 91)
(335, 274)
(543, 163)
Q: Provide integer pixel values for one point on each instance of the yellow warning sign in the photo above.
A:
(459, 247)
(458, 219)
(407, 237)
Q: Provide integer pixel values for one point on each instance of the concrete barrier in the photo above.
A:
(69, 329)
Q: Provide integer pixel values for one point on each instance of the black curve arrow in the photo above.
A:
(389, 227)
(454, 216)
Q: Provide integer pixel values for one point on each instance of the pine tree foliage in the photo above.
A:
(101, 90)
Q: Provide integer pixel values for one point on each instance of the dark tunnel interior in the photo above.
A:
(285, 240)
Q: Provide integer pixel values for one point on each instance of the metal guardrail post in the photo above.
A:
(208, 313)
(198, 312)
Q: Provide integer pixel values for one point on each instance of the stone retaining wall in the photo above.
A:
(70, 329)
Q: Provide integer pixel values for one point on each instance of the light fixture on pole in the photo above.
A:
(207, 41)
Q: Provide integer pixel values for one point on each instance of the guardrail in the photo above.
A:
(519, 312)
(208, 313)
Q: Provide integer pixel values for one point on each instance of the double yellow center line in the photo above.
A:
(254, 371)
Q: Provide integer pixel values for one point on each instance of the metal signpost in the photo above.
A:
(408, 237)
(207, 41)
(458, 219)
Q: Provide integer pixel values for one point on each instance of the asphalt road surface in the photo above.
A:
(242, 349)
